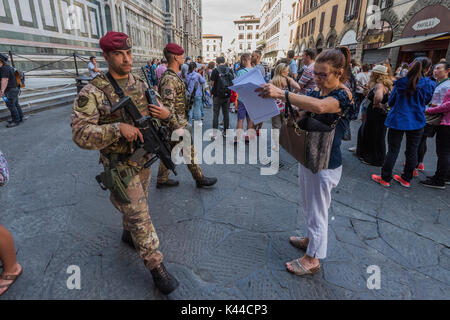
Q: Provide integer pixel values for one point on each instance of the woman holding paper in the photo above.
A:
(329, 103)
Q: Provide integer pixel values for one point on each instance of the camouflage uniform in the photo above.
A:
(94, 127)
(173, 94)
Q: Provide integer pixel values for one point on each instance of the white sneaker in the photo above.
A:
(352, 149)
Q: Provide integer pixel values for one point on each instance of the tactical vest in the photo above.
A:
(136, 91)
(180, 90)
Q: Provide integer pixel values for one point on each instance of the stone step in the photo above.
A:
(31, 96)
(49, 102)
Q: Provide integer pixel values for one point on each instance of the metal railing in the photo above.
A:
(41, 66)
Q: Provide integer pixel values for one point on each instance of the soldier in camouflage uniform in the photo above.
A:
(94, 127)
(173, 94)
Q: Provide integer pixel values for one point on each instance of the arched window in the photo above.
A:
(119, 14)
(108, 18)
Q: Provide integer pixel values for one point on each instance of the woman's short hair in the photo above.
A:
(211, 65)
(245, 57)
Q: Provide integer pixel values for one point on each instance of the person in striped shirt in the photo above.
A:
(306, 82)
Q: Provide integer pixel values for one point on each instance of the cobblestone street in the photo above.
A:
(227, 242)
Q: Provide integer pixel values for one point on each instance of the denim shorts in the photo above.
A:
(241, 111)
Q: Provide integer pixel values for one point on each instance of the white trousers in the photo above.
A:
(315, 195)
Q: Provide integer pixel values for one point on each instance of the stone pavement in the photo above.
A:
(228, 242)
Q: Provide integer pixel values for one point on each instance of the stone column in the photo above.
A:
(393, 54)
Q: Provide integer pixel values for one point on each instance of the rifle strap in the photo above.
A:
(115, 85)
(119, 92)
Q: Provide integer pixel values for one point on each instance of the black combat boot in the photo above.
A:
(164, 281)
(206, 182)
(168, 184)
(126, 237)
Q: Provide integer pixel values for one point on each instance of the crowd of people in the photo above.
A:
(335, 89)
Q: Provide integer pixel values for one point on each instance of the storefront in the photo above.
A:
(374, 40)
(349, 41)
(427, 34)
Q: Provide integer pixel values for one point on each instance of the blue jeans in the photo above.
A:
(196, 110)
(13, 105)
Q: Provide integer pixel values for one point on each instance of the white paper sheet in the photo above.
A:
(258, 109)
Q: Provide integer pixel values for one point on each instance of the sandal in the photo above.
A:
(9, 277)
(300, 270)
(299, 243)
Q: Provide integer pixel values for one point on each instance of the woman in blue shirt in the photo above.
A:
(408, 102)
(193, 80)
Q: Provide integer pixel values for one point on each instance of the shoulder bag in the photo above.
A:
(307, 139)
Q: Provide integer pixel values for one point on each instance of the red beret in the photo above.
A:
(174, 49)
(113, 40)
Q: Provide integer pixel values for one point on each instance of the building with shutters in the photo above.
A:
(321, 24)
(46, 30)
(246, 35)
(373, 30)
(274, 30)
(212, 47)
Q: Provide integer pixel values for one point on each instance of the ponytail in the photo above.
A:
(347, 70)
(416, 72)
(192, 67)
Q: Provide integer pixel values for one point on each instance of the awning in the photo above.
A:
(412, 40)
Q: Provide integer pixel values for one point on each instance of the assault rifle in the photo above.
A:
(156, 138)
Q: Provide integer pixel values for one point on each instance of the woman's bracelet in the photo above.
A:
(286, 95)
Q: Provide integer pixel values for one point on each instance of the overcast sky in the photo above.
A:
(218, 16)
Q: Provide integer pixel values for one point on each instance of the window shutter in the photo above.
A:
(333, 17)
(322, 20)
(313, 25)
(347, 7)
(356, 12)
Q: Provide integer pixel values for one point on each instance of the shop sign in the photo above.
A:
(426, 24)
(377, 40)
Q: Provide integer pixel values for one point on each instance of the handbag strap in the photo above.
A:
(289, 110)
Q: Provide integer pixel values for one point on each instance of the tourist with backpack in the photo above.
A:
(221, 79)
(9, 91)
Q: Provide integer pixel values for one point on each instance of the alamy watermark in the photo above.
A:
(373, 17)
(374, 281)
(74, 280)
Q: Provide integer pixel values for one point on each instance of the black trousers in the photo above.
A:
(443, 153)
(395, 138)
(224, 104)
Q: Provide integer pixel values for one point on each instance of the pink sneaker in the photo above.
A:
(400, 180)
(380, 180)
(420, 167)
